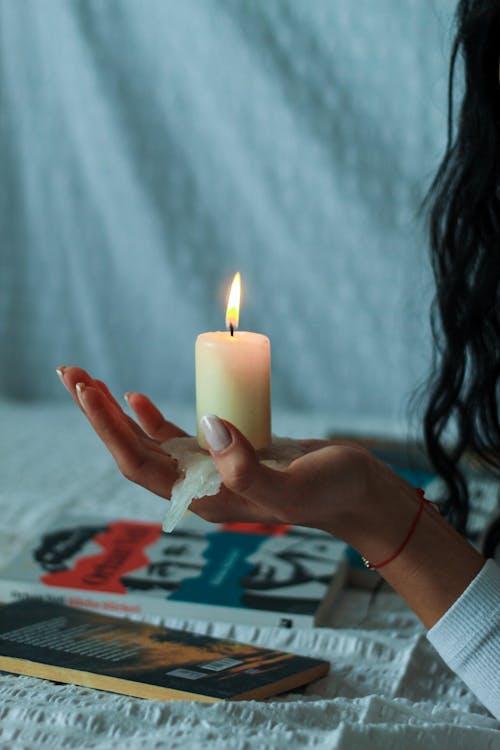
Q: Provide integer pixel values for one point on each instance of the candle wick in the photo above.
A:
(231, 328)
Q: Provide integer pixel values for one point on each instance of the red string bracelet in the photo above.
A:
(423, 502)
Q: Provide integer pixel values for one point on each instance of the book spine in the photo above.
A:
(131, 604)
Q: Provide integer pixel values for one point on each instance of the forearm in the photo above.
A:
(435, 566)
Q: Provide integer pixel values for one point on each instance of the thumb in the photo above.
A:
(239, 465)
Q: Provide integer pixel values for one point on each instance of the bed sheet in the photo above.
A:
(387, 688)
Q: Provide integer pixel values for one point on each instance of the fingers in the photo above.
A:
(104, 388)
(138, 461)
(151, 418)
(71, 376)
(123, 443)
(138, 456)
(241, 471)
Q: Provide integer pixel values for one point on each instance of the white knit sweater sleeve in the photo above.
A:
(467, 636)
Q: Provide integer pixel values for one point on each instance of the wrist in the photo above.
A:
(435, 565)
(383, 513)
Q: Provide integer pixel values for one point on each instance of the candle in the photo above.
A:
(233, 377)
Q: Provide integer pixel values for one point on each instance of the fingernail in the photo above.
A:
(80, 387)
(215, 432)
(125, 396)
(60, 371)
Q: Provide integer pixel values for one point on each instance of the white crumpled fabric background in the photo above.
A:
(387, 689)
(151, 149)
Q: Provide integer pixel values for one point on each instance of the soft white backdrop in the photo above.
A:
(149, 150)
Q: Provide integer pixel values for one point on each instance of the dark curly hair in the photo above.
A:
(464, 203)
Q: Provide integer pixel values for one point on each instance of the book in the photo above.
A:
(239, 573)
(69, 645)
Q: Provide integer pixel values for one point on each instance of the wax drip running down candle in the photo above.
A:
(199, 476)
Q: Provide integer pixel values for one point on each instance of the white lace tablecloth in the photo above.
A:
(387, 688)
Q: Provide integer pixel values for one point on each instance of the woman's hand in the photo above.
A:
(324, 488)
(338, 487)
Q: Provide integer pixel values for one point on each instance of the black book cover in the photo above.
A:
(63, 644)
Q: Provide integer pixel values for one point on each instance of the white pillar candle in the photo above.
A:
(233, 379)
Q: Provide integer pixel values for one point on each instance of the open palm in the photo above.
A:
(328, 472)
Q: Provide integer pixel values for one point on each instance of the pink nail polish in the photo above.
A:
(216, 434)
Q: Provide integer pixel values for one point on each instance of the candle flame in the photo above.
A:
(233, 303)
